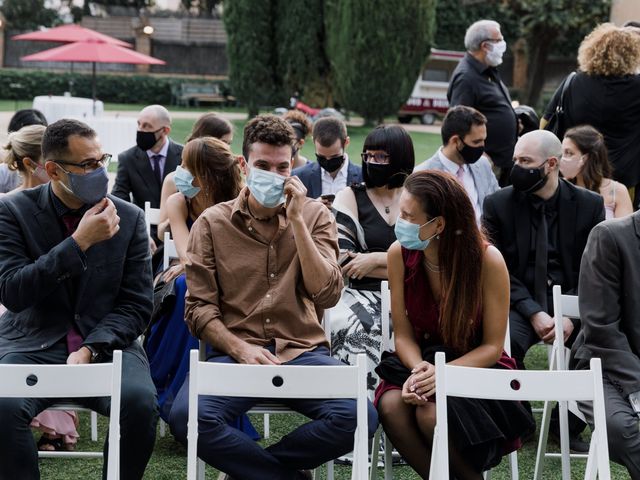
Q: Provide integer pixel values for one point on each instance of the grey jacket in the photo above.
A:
(483, 177)
(609, 302)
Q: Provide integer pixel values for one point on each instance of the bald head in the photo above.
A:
(153, 119)
(540, 144)
(157, 114)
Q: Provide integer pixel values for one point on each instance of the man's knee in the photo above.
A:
(623, 434)
(138, 403)
(344, 417)
(178, 418)
(13, 412)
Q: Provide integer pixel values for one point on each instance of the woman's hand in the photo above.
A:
(422, 382)
(173, 272)
(411, 398)
(360, 265)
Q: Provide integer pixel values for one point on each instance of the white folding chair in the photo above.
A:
(497, 384)
(563, 306)
(170, 251)
(270, 381)
(71, 381)
(151, 216)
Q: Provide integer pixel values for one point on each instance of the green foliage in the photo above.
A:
(145, 89)
(377, 50)
(123, 3)
(251, 51)
(28, 14)
(302, 61)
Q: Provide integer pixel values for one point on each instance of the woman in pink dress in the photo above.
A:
(449, 292)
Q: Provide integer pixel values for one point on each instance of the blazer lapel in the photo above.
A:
(567, 217)
(172, 161)
(478, 181)
(142, 165)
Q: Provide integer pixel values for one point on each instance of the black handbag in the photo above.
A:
(558, 122)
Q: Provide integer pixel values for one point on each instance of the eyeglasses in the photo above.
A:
(88, 165)
(378, 157)
(493, 40)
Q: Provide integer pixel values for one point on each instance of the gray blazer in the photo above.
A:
(609, 302)
(483, 177)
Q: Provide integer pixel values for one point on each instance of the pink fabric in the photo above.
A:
(58, 423)
(460, 173)
(74, 340)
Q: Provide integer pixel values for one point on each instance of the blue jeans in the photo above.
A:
(327, 436)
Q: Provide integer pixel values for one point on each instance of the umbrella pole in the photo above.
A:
(93, 87)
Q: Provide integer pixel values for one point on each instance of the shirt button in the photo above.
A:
(250, 229)
(44, 345)
(268, 295)
(268, 320)
(272, 275)
(271, 246)
(76, 317)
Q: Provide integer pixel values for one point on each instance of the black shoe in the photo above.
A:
(576, 444)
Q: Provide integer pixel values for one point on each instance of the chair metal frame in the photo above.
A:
(151, 216)
(582, 385)
(271, 381)
(66, 382)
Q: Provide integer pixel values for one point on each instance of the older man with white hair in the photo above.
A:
(540, 224)
(476, 83)
(142, 168)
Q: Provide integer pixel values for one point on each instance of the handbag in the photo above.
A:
(557, 121)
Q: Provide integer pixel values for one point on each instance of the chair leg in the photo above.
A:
(200, 469)
(388, 459)
(513, 465)
(591, 471)
(564, 441)
(330, 470)
(266, 425)
(486, 475)
(542, 441)
(94, 426)
(375, 451)
(163, 428)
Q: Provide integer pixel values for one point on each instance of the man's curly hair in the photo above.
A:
(610, 51)
(269, 129)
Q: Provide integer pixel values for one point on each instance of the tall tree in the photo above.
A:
(377, 50)
(251, 51)
(302, 60)
(28, 14)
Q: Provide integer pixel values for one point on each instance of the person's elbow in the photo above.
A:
(329, 295)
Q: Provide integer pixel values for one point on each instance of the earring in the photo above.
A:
(438, 237)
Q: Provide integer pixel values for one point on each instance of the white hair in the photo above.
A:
(160, 113)
(477, 33)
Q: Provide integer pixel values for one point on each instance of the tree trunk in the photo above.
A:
(539, 47)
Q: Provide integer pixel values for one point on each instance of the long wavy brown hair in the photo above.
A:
(597, 167)
(460, 253)
(210, 160)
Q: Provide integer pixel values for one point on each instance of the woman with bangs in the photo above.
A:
(604, 94)
(585, 163)
(365, 215)
(449, 292)
(209, 174)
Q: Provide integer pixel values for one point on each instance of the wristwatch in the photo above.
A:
(95, 355)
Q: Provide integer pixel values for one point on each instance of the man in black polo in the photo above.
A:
(476, 83)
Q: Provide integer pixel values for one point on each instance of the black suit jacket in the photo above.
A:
(507, 219)
(135, 175)
(609, 303)
(48, 285)
(311, 176)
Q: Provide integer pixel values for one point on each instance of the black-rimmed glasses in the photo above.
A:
(88, 165)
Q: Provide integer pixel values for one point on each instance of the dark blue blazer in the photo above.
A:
(311, 177)
(48, 286)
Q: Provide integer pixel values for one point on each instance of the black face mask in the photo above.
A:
(146, 140)
(330, 164)
(528, 180)
(378, 174)
(470, 154)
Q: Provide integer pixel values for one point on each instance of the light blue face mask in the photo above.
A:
(266, 187)
(408, 234)
(184, 182)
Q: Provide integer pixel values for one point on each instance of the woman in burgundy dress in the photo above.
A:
(449, 292)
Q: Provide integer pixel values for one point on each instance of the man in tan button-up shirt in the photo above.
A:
(259, 268)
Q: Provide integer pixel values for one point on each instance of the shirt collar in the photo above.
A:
(478, 66)
(163, 151)
(344, 170)
(451, 166)
(240, 205)
(61, 209)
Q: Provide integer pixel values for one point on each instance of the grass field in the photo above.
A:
(168, 461)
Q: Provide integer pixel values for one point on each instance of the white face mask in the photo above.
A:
(570, 167)
(494, 56)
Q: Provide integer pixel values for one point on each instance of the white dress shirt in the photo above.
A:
(467, 181)
(330, 185)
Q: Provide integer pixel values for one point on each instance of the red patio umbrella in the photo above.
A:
(69, 34)
(93, 52)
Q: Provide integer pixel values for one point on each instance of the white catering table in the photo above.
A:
(115, 133)
(57, 107)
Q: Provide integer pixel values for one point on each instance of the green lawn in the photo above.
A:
(169, 458)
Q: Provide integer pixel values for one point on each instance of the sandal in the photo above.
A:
(46, 444)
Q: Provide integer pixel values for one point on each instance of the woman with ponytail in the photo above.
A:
(449, 292)
(23, 154)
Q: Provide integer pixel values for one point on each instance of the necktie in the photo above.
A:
(74, 338)
(460, 174)
(540, 277)
(156, 167)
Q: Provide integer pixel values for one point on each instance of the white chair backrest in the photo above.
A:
(270, 381)
(497, 384)
(170, 251)
(151, 216)
(563, 306)
(71, 381)
(385, 310)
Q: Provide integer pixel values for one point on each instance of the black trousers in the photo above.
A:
(138, 417)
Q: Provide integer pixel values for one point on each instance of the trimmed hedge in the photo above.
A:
(16, 84)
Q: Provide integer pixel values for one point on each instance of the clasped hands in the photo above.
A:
(420, 385)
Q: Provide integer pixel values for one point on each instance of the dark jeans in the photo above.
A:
(328, 436)
(138, 417)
